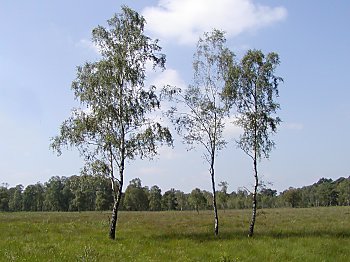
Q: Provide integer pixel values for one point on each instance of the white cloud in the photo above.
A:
(185, 20)
(231, 130)
(168, 77)
(87, 44)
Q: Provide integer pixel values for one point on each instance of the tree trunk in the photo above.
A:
(216, 225)
(114, 218)
(117, 199)
(252, 222)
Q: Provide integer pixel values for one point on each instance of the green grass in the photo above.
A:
(315, 234)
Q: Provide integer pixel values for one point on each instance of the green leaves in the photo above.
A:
(201, 118)
(113, 92)
(114, 122)
(144, 143)
(252, 90)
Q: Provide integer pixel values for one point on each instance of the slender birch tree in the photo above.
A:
(200, 120)
(253, 89)
(113, 124)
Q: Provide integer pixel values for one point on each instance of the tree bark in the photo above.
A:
(216, 224)
(117, 199)
(252, 222)
(114, 218)
(255, 157)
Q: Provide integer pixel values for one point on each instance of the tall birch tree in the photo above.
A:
(199, 112)
(253, 90)
(113, 124)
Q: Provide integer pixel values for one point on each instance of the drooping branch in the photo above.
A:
(116, 125)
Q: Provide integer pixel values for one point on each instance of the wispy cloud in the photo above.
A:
(231, 130)
(168, 77)
(185, 20)
(87, 44)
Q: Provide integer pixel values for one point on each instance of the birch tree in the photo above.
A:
(199, 111)
(113, 124)
(253, 90)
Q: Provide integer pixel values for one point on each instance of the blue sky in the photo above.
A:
(42, 42)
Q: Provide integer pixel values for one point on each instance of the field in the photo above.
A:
(314, 234)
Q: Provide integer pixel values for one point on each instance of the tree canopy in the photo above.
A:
(113, 123)
(252, 89)
(202, 120)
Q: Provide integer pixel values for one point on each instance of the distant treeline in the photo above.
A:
(87, 193)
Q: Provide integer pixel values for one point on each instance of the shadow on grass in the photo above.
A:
(305, 234)
(239, 235)
(198, 237)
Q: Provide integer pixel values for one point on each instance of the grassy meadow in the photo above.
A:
(314, 234)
